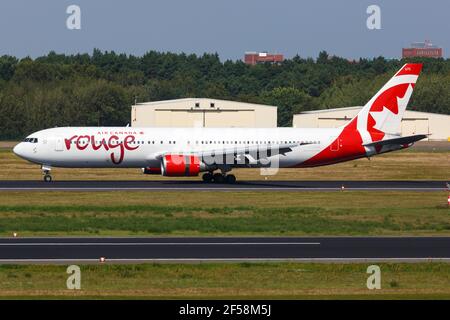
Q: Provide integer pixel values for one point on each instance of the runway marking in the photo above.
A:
(219, 189)
(154, 243)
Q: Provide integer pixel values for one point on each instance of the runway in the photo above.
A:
(185, 185)
(189, 249)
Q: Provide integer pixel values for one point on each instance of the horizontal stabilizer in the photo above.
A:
(397, 141)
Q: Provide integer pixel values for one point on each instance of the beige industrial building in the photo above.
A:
(203, 112)
(413, 122)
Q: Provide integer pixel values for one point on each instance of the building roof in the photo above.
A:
(424, 44)
(360, 107)
(187, 100)
(330, 110)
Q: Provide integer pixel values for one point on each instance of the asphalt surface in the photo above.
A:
(183, 185)
(186, 249)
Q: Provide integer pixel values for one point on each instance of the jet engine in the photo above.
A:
(176, 165)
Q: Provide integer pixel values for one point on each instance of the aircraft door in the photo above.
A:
(59, 144)
(335, 143)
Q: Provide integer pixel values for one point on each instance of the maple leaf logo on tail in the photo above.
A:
(383, 114)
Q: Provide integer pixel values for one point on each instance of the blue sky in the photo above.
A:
(227, 27)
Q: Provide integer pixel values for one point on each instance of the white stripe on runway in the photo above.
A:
(219, 189)
(25, 244)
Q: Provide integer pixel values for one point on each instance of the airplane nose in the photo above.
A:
(19, 150)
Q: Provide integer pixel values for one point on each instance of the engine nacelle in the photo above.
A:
(178, 165)
(151, 170)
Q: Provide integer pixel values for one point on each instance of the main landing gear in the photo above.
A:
(46, 173)
(218, 177)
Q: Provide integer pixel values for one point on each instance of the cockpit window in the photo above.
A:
(31, 140)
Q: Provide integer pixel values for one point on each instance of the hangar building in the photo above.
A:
(413, 122)
(203, 112)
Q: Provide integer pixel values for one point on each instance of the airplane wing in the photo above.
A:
(397, 141)
(248, 154)
(245, 155)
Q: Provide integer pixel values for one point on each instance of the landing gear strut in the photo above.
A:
(46, 173)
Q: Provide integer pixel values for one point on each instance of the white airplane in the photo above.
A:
(175, 152)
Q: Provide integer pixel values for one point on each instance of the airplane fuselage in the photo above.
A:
(127, 147)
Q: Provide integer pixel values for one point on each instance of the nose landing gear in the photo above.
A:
(46, 172)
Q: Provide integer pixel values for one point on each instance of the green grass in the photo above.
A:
(233, 213)
(228, 280)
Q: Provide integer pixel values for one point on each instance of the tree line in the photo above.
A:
(98, 89)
